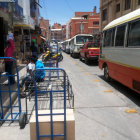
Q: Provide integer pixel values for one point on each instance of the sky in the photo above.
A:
(60, 11)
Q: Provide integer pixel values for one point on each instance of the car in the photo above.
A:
(89, 52)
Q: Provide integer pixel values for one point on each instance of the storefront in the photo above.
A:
(22, 35)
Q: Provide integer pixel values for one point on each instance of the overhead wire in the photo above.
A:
(44, 5)
(69, 5)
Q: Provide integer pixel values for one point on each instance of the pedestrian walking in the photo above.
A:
(9, 50)
(34, 48)
(22, 50)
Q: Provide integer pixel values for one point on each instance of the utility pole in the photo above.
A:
(82, 26)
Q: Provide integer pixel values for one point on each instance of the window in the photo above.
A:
(109, 38)
(96, 23)
(127, 4)
(83, 39)
(119, 41)
(112, 37)
(92, 45)
(134, 34)
(104, 14)
(118, 7)
(95, 31)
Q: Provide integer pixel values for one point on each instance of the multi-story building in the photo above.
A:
(84, 23)
(58, 32)
(9, 13)
(45, 28)
(112, 9)
(26, 25)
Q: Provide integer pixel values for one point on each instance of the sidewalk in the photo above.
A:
(12, 130)
(4, 87)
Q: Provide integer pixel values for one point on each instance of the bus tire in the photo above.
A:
(106, 74)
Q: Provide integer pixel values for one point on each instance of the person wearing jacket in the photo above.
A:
(34, 48)
(39, 75)
(9, 50)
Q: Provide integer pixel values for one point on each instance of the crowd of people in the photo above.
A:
(32, 63)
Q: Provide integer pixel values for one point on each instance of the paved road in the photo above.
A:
(100, 106)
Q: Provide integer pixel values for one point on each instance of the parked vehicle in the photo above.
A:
(89, 51)
(120, 50)
(53, 54)
(66, 46)
(77, 41)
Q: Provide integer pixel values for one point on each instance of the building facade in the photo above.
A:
(112, 9)
(58, 32)
(84, 23)
(45, 28)
(22, 18)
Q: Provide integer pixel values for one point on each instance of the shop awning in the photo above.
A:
(24, 25)
(43, 38)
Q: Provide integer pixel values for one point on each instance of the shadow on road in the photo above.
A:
(132, 95)
(93, 64)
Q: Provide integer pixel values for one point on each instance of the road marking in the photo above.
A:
(108, 91)
(95, 80)
(88, 73)
(131, 111)
(83, 69)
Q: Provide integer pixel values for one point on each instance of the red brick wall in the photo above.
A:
(89, 27)
(44, 25)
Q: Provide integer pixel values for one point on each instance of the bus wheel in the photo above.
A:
(106, 74)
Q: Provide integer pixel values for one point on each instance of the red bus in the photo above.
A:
(120, 50)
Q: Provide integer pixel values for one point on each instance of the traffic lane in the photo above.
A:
(129, 96)
(101, 114)
(106, 123)
(88, 92)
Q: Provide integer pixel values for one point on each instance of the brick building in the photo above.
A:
(84, 23)
(58, 32)
(112, 9)
(44, 25)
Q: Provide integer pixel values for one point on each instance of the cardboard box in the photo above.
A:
(58, 125)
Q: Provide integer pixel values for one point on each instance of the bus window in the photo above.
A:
(112, 37)
(107, 38)
(119, 41)
(134, 34)
(83, 39)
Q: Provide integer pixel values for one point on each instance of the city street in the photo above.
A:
(70, 70)
(100, 107)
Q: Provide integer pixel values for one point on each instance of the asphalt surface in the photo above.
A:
(100, 107)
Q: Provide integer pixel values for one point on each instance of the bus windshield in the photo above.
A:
(92, 45)
(83, 39)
